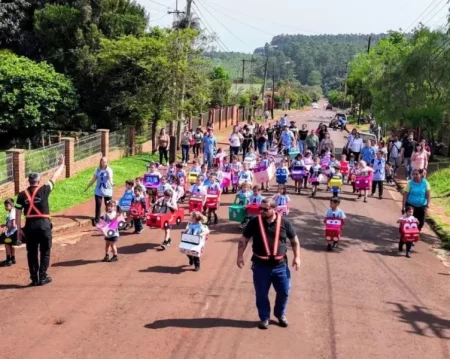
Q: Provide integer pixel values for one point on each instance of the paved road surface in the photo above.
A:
(360, 301)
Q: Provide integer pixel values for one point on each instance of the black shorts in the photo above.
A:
(112, 239)
(286, 151)
(11, 240)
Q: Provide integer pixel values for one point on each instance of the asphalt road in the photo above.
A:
(363, 300)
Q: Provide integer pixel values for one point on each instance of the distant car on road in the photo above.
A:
(329, 107)
(315, 106)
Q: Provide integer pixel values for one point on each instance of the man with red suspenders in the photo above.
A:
(38, 227)
(270, 232)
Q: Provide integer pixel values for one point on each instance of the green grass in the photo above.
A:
(440, 189)
(352, 120)
(70, 192)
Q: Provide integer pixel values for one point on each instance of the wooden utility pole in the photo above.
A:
(265, 78)
(361, 95)
(273, 91)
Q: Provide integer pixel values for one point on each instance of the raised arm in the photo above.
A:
(59, 170)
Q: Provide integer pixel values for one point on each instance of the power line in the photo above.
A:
(215, 37)
(445, 4)
(158, 3)
(244, 23)
(159, 18)
(418, 18)
(226, 28)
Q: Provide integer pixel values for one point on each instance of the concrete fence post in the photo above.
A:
(69, 155)
(104, 141)
(18, 156)
(131, 140)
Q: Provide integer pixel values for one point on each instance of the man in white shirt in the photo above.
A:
(284, 120)
(395, 153)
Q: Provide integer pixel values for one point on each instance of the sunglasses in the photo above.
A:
(265, 209)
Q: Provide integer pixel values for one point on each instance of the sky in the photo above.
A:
(243, 25)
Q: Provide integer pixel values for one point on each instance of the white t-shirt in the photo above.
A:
(11, 216)
(235, 140)
(356, 145)
(251, 129)
(395, 149)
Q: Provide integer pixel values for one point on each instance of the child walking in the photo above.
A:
(407, 217)
(315, 175)
(112, 212)
(139, 199)
(166, 204)
(9, 234)
(196, 228)
(336, 212)
(281, 198)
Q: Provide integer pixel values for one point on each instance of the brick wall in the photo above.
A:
(7, 190)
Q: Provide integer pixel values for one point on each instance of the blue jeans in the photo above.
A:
(208, 158)
(263, 277)
(408, 167)
(301, 146)
(234, 151)
(185, 153)
(262, 147)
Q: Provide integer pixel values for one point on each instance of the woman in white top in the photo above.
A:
(356, 145)
(235, 141)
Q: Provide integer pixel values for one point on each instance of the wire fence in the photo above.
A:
(6, 167)
(88, 146)
(43, 159)
(436, 166)
(118, 140)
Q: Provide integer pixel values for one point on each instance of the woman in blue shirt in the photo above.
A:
(103, 179)
(417, 194)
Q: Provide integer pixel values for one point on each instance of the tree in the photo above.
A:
(34, 97)
(220, 87)
(315, 78)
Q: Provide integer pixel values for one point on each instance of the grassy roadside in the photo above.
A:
(352, 120)
(439, 213)
(70, 192)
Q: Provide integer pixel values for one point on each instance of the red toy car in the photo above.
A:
(409, 231)
(136, 209)
(164, 220)
(333, 228)
(344, 167)
(196, 201)
(253, 209)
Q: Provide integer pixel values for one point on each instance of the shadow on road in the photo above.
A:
(201, 323)
(422, 321)
(75, 263)
(13, 286)
(165, 269)
(137, 248)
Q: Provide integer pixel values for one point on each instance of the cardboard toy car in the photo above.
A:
(213, 199)
(283, 210)
(335, 184)
(293, 152)
(125, 201)
(264, 174)
(151, 181)
(409, 231)
(344, 168)
(298, 173)
(253, 209)
(314, 178)
(192, 245)
(333, 228)
(251, 163)
(192, 177)
(164, 220)
(196, 202)
(324, 162)
(237, 213)
(234, 179)
(111, 229)
(137, 210)
(362, 182)
(226, 180)
(281, 176)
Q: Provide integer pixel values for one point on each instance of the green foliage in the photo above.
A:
(220, 87)
(315, 78)
(338, 99)
(405, 81)
(33, 97)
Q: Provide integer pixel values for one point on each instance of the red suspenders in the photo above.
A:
(31, 197)
(266, 243)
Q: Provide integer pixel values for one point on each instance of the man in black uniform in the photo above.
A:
(38, 227)
(270, 232)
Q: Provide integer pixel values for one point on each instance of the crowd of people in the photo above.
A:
(304, 157)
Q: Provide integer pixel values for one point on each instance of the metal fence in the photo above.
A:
(6, 167)
(43, 159)
(118, 140)
(88, 146)
(436, 166)
(205, 118)
(195, 123)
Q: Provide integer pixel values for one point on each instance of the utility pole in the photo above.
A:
(243, 70)
(361, 95)
(273, 91)
(265, 78)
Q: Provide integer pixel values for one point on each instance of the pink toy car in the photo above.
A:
(226, 180)
(110, 230)
(283, 210)
(362, 182)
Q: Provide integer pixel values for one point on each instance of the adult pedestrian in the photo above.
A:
(294, 129)
(186, 137)
(261, 140)
(103, 179)
(247, 142)
(198, 140)
(284, 120)
(287, 140)
(38, 228)
(266, 116)
(163, 146)
(350, 138)
(322, 132)
(302, 134)
(392, 139)
(417, 194)
(379, 173)
(235, 141)
(327, 142)
(368, 152)
(209, 147)
(383, 148)
(356, 146)
(270, 232)
(270, 134)
(408, 148)
(395, 149)
(312, 142)
(419, 158)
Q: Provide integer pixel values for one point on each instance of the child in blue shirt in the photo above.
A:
(196, 228)
(336, 212)
(281, 198)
